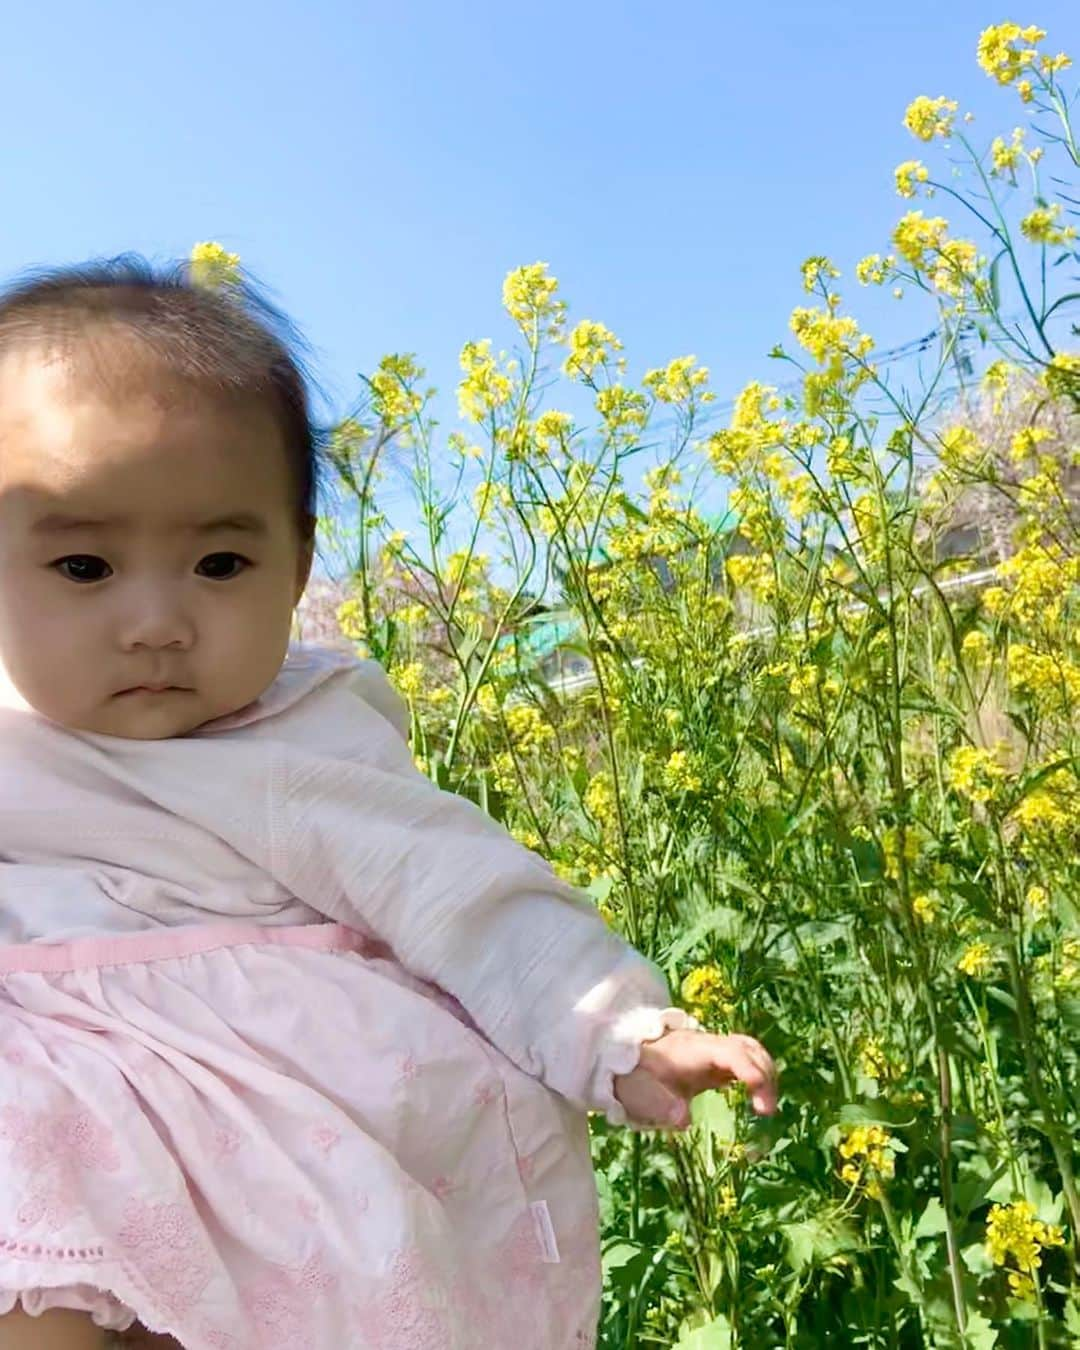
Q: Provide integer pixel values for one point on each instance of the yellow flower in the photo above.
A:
(873, 270)
(682, 773)
(1038, 901)
(956, 266)
(930, 117)
(752, 430)
(393, 393)
(890, 843)
(484, 387)
(756, 572)
(909, 173)
(1051, 680)
(679, 382)
(976, 960)
(527, 728)
(622, 409)
(600, 799)
(976, 646)
(974, 772)
(1062, 375)
(529, 298)
(591, 345)
(408, 679)
(1044, 813)
(707, 994)
(1006, 155)
(872, 1059)
(1049, 65)
(1014, 1233)
(869, 1158)
(1025, 443)
(212, 266)
(915, 235)
(925, 908)
(1006, 50)
(1041, 577)
(350, 620)
(815, 268)
(552, 429)
(827, 336)
(1039, 226)
(727, 1203)
(960, 450)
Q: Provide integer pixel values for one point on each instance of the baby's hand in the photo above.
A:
(675, 1068)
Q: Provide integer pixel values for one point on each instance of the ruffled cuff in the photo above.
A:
(622, 1052)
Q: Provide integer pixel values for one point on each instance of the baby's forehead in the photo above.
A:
(83, 447)
(110, 365)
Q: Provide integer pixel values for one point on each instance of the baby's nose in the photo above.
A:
(155, 616)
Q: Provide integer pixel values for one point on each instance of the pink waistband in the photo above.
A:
(55, 958)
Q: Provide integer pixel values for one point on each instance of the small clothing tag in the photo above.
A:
(545, 1232)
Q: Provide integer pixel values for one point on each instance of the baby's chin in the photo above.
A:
(142, 715)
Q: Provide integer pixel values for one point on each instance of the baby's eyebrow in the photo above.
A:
(57, 523)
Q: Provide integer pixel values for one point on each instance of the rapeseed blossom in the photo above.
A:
(1006, 155)
(529, 297)
(930, 117)
(485, 387)
(1006, 51)
(976, 961)
(1014, 1235)
(909, 173)
(707, 994)
(975, 772)
(682, 772)
(394, 396)
(917, 235)
(869, 1158)
(213, 266)
(1040, 226)
(591, 346)
(874, 269)
(679, 382)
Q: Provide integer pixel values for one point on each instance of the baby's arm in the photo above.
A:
(368, 840)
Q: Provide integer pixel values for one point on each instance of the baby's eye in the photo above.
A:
(221, 565)
(81, 567)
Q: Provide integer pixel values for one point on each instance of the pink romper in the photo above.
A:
(295, 1050)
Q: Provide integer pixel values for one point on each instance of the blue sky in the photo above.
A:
(381, 166)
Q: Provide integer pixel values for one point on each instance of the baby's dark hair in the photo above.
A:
(228, 339)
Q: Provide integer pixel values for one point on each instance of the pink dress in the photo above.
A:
(295, 1049)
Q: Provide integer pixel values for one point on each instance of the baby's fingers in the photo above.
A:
(747, 1060)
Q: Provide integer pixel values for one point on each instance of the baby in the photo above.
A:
(295, 1049)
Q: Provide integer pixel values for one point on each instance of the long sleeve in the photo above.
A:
(358, 833)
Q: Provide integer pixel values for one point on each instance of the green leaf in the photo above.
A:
(979, 1334)
(977, 1259)
(817, 1241)
(727, 923)
(932, 1219)
(716, 1335)
(600, 888)
(713, 1113)
(619, 1254)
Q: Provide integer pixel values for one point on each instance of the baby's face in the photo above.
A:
(147, 537)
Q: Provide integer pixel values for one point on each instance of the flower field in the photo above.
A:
(793, 693)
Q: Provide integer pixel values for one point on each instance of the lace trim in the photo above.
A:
(631, 1031)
